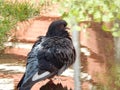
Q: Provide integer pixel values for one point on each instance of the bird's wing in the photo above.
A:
(58, 52)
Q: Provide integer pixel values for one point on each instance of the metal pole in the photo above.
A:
(76, 42)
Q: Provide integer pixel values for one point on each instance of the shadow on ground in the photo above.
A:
(52, 86)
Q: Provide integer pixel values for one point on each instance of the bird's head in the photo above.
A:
(58, 28)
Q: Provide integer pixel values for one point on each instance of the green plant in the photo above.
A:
(19, 11)
(115, 76)
(113, 79)
(103, 11)
(13, 12)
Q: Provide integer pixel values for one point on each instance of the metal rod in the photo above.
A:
(76, 42)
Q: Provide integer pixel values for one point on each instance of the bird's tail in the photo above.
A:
(20, 82)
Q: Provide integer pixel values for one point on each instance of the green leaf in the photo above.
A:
(116, 33)
(105, 28)
(97, 16)
(105, 18)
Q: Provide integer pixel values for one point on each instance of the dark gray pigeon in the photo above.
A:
(50, 55)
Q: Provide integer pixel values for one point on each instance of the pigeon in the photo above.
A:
(50, 55)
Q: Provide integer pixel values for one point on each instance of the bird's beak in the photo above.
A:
(67, 28)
